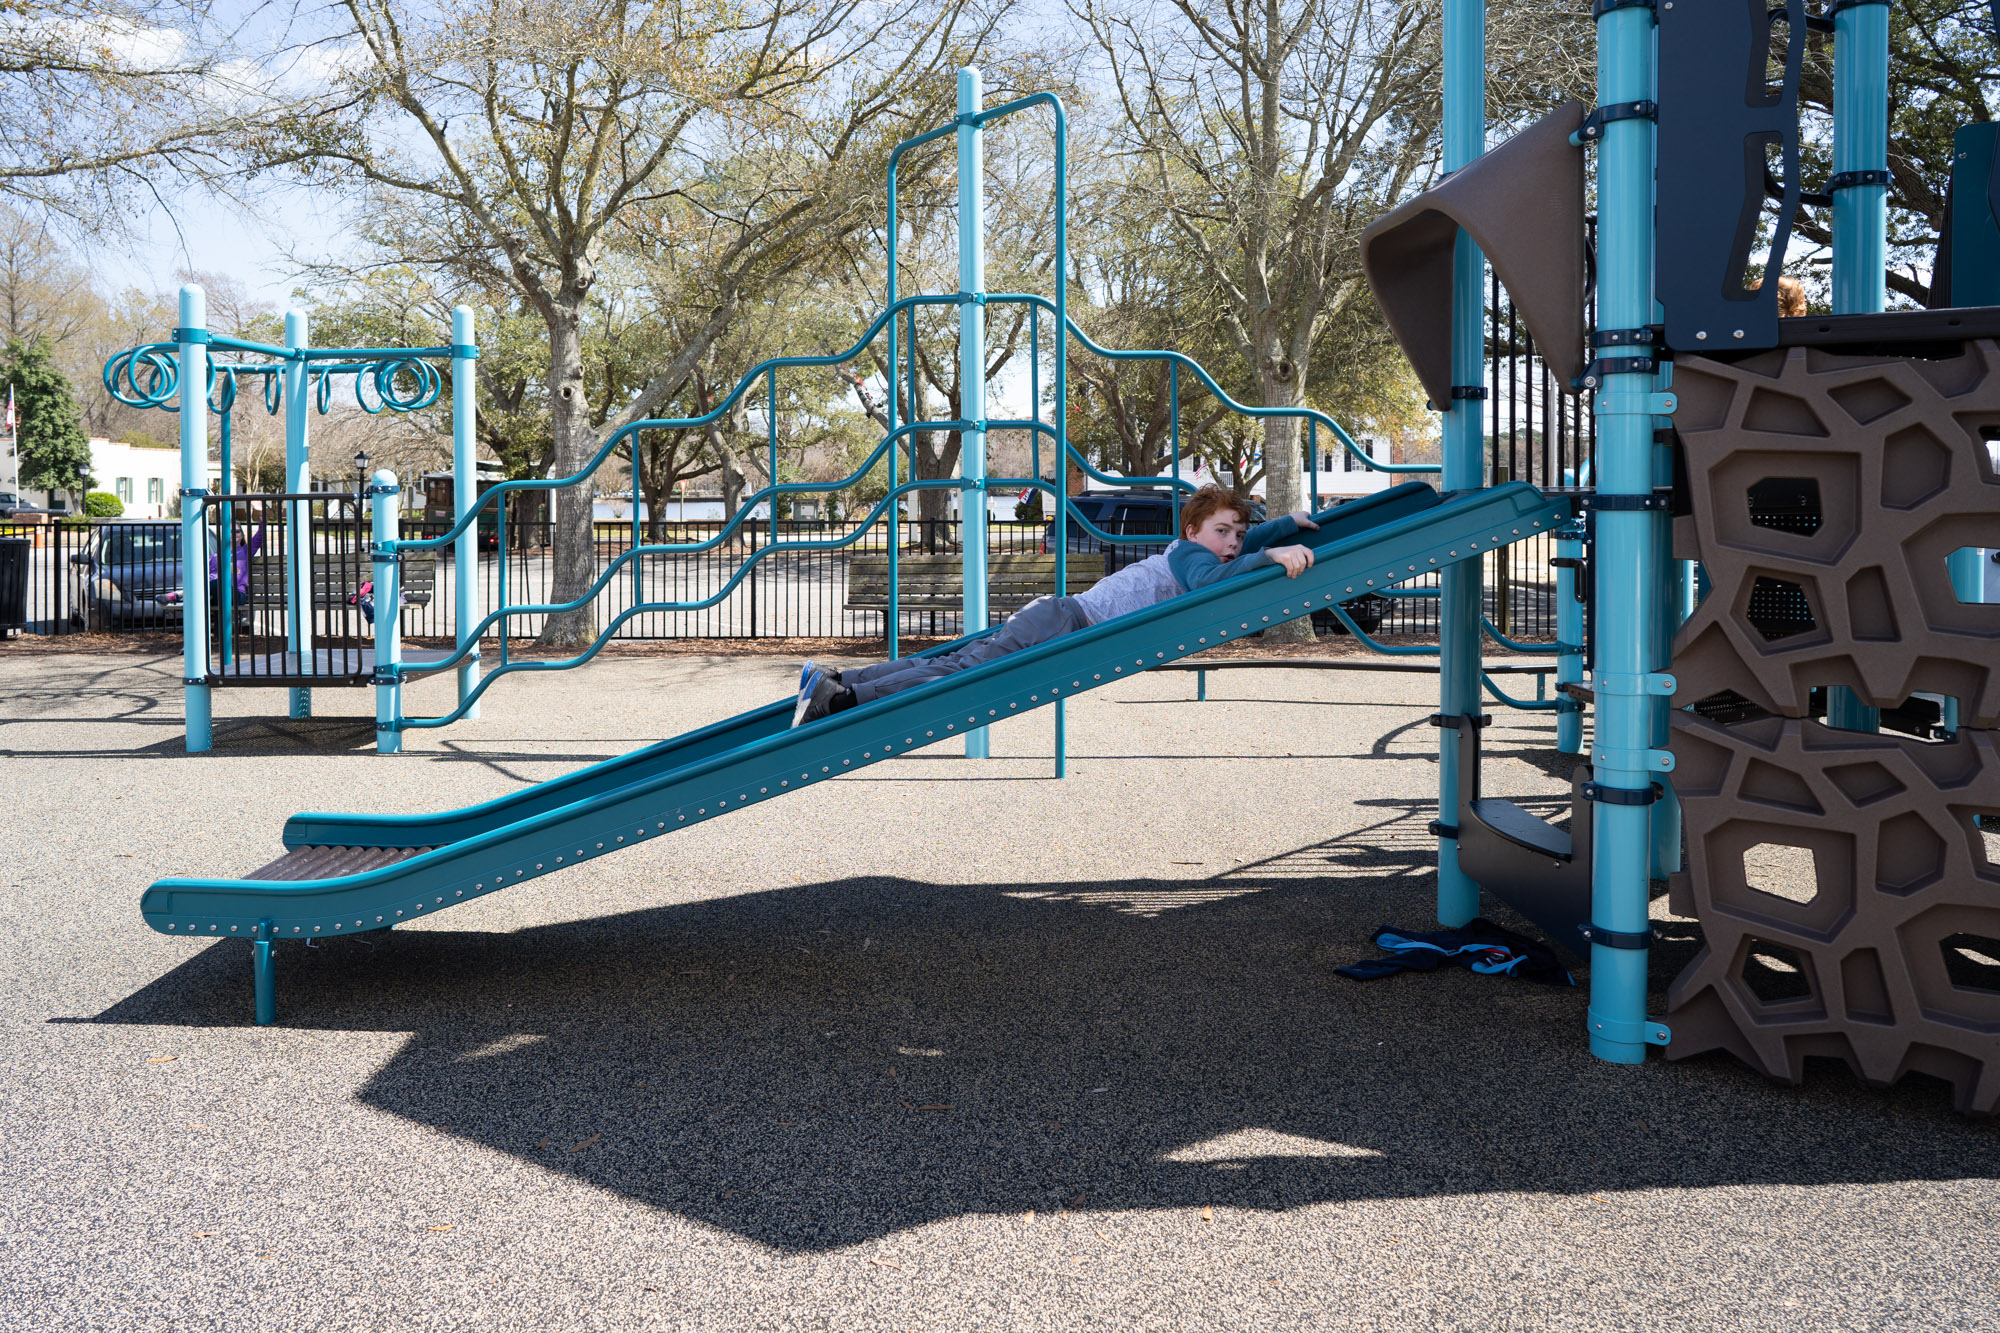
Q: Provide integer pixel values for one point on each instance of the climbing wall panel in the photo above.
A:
(1827, 491)
(1848, 889)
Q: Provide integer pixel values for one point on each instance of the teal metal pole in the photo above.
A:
(387, 496)
(972, 366)
(1460, 599)
(1569, 635)
(298, 516)
(465, 495)
(225, 546)
(1625, 565)
(1860, 215)
(193, 339)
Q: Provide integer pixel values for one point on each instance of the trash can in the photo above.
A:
(15, 553)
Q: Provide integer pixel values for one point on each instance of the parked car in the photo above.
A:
(1139, 512)
(13, 506)
(128, 576)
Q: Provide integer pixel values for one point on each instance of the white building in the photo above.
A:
(146, 479)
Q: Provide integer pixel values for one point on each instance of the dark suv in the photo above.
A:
(1136, 512)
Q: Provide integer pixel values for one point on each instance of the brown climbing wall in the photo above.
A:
(1849, 899)
(1891, 452)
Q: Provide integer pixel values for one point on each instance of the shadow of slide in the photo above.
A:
(818, 1066)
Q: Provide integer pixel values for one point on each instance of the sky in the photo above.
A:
(194, 231)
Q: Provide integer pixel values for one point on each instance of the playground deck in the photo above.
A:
(884, 1050)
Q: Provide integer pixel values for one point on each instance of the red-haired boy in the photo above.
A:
(1217, 541)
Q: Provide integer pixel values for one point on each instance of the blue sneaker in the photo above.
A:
(809, 682)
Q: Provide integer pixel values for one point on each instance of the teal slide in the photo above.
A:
(348, 874)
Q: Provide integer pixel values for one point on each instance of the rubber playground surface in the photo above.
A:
(943, 1045)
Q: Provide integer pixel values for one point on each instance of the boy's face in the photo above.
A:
(1222, 534)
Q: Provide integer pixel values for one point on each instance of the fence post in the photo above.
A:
(193, 337)
(465, 495)
(386, 496)
(299, 608)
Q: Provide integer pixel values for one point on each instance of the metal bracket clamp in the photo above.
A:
(194, 492)
(1593, 374)
(1463, 391)
(1656, 405)
(1848, 180)
(380, 489)
(1455, 721)
(384, 556)
(1438, 829)
(194, 680)
(1652, 1032)
(465, 351)
(1617, 939)
(1603, 795)
(1639, 761)
(1599, 8)
(388, 674)
(1594, 123)
(1661, 499)
(1642, 337)
(1632, 683)
(201, 337)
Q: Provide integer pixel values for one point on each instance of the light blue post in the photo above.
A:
(465, 489)
(387, 499)
(298, 525)
(1860, 214)
(1459, 601)
(1569, 634)
(972, 365)
(1625, 567)
(193, 339)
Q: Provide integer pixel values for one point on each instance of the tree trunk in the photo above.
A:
(574, 559)
(1284, 471)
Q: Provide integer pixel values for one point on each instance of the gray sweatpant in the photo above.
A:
(1039, 621)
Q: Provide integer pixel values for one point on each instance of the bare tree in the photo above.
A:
(1272, 133)
(519, 136)
(100, 100)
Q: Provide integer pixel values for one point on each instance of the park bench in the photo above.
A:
(937, 582)
(336, 577)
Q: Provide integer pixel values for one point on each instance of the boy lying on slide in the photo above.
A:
(1217, 542)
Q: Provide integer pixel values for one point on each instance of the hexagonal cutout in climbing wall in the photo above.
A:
(1786, 504)
(1974, 574)
(1773, 975)
(1780, 609)
(1782, 870)
(1972, 962)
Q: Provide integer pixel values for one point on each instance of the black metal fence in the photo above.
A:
(118, 577)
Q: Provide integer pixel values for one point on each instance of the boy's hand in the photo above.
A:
(1304, 519)
(1296, 559)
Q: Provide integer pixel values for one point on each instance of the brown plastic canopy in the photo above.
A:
(1523, 203)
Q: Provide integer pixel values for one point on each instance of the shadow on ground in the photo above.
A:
(820, 1066)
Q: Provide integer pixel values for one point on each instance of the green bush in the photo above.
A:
(103, 504)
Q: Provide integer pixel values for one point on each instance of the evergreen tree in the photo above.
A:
(54, 450)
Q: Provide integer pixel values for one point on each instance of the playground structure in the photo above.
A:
(1704, 401)
(314, 575)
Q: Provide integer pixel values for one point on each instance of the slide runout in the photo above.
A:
(427, 830)
(1394, 550)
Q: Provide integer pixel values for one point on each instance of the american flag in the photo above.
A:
(10, 409)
